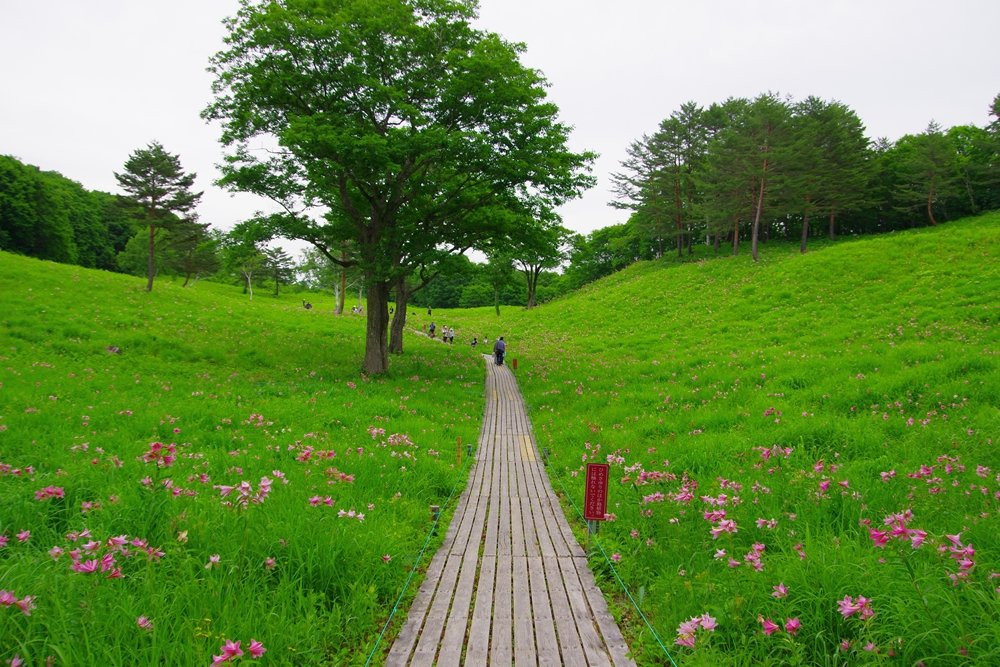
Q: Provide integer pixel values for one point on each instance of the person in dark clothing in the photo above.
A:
(431, 328)
(499, 350)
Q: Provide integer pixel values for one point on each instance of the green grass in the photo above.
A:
(195, 367)
(865, 357)
(775, 383)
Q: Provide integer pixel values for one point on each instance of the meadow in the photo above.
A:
(187, 469)
(803, 451)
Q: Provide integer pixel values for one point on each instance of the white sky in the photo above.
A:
(83, 83)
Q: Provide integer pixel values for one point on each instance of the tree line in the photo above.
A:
(746, 170)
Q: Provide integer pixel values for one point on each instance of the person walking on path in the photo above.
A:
(431, 329)
(499, 350)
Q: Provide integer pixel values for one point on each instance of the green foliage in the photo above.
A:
(45, 215)
(826, 392)
(770, 167)
(421, 135)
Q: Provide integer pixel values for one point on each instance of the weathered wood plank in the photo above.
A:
(525, 652)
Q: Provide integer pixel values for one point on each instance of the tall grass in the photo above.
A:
(93, 371)
(804, 399)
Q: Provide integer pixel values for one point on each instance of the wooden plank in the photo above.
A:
(581, 615)
(612, 636)
(545, 630)
(501, 634)
(524, 632)
(477, 651)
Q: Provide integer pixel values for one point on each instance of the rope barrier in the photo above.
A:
(413, 568)
(621, 583)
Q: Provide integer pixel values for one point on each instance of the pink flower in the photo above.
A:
(708, 623)
(724, 526)
(879, 537)
(212, 560)
(770, 627)
(16, 661)
(780, 591)
(847, 607)
(144, 623)
(85, 567)
(616, 557)
(229, 650)
(386, 558)
(26, 604)
(792, 625)
(24, 536)
(269, 563)
(256, 649)
(845, 645)
(685, 640)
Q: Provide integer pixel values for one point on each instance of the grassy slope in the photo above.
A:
(202, 360)
(693, 370)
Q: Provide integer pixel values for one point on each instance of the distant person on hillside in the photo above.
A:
(428, 310)
(499, 350)
(474, 341)
(431, 329)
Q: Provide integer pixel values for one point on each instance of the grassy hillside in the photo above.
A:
(93, 371)
(763, 420)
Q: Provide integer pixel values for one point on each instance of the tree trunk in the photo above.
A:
(249, 277)
(930, 216)
(150, 261)
(678, 217)
(754, 232)
(833, 226)
(716, 243)
(736, 235)
(805, 233)
(398, 318)
(187, 279)
(532, 275)
(376, 360)
(496, 300)
(275, 284)
(343, 286)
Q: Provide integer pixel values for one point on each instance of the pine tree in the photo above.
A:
(153, 178)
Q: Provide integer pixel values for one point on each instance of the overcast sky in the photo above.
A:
(83, 83)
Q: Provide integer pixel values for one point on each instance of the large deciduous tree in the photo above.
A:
(398, 119)
(154, 179)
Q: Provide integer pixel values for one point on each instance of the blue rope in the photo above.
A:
(619, 579)
(413, 568)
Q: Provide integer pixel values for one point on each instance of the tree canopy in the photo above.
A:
(397, 121)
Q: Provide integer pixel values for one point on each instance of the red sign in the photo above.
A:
(595, 498)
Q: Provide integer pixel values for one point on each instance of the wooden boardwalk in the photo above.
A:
(510, 584)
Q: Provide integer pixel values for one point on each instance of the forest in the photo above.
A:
(738, 172)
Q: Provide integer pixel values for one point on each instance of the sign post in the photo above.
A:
(595, 497)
